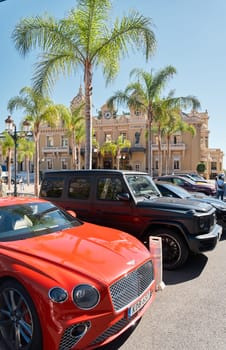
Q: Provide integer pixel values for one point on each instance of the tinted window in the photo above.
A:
(179, 182)
(79, 188)
(52, 187)
(108, 188)
(165, 192)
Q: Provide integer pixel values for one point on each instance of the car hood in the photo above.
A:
(175, 204)
(96, 252)
(217, 203)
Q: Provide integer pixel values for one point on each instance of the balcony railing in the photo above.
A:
(50, 149)
(172, 147)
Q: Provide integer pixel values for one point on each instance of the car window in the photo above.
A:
(108, 188)
(165, 192)
(79, 188)
(33, 219)
(179, 182)
(52, 187)
(142, 185)
(168, 179)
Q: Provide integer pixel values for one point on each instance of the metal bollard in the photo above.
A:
(155, 247)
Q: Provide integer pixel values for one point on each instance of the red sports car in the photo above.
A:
(66, 284)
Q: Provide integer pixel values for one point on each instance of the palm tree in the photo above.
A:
(173, 125)
(108, 147)
(167, 116)
(79, 138)
(144, 94)
(115, 148)
(84, 39)
(141, 95)
(74, 121)
(26, 150)
(121, 144)
(38, 110)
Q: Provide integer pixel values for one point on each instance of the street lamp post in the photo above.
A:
(15, 134)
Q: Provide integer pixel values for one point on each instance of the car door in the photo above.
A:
(108, 209)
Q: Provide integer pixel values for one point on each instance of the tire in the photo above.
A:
(19, 323)
(174, 249)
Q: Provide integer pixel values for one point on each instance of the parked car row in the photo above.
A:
(193, 176)
(192, 186)
(59, 288)
(131, 202)
(168, 189)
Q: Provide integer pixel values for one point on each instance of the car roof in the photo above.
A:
(93, 171)
(176, 177)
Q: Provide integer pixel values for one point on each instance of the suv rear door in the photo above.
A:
(108, 209)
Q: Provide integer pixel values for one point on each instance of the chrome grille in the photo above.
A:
(130, 287)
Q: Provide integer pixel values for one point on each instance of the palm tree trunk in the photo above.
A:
(159, 155)
(27, 169)
(79, 157)
(88, 115)
(167, 155)
(74, 158)
(149, 146)
(36, 137)
(9, 168)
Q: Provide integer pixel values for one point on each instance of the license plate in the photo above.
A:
(139, 304)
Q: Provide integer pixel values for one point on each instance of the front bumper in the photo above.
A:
(205, 242)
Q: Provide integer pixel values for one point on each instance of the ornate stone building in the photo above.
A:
(185, 151)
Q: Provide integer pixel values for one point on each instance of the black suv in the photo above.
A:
(131, 202)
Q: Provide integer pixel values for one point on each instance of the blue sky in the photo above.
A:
(191, 36)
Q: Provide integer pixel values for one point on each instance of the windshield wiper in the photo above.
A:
(39, 215)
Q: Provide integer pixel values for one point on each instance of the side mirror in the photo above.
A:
(72, 213)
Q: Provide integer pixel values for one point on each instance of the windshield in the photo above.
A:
(142, 186)
(181, 192)
(26, 220)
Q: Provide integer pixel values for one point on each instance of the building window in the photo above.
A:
(49, 164)
(49, 141)
(108, 138)
(123, 134)
(137, 167)
(156, 164)
(175, 140)
(176, 164)
(213, 165)
(64, 141)
(63, 164)
(137, 113)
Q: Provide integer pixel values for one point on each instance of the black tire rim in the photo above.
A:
(171, 251)
(16, 321)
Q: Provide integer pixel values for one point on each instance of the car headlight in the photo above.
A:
(85, 296)
(58, 294)
(206, 221)
(202, 222)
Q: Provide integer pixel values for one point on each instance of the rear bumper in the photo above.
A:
(205, 242)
